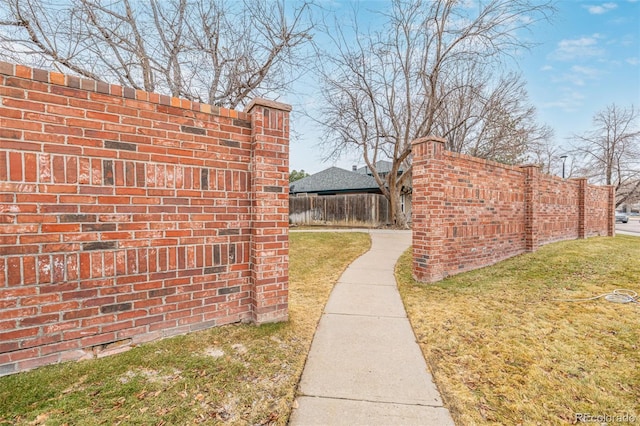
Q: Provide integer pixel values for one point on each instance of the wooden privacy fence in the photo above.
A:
(346, 209)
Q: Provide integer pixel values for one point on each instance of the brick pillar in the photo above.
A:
(428, 208)
(269, 251)
(530, 207)
(582, 206)
(611, 224)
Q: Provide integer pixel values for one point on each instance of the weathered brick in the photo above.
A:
(204, 179)
(98, 227)
(214, 270)
(228, 290)
(100, 245)
(107, 172)
(242, 123)
(194, 130)
(72, 218)
(276, 189)
(162, 292)
(118, 307)
(120, 146)
(230, 143)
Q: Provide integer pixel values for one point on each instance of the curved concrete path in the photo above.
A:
(365, 367)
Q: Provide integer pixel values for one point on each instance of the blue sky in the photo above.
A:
(586, 58)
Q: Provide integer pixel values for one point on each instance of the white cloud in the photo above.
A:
(588, 72)
(599, 10)
(577, 76)
(546, 68)
(633, 61)
(568, 100)
(579, 48)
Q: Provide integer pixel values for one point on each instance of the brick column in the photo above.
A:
(611, 225)
(269, 253)
(530, 208)
(582, 206)
(428, 204)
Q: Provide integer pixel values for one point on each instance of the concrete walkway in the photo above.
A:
(365, 367)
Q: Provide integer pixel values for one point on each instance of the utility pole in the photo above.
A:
(564, 160)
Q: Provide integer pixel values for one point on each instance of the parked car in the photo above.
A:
(622, 217)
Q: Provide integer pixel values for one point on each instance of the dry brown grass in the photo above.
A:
(503, 351)
(238, 374)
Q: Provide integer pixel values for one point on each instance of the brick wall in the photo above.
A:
(469, 213)
(557, 208)
(127, 216)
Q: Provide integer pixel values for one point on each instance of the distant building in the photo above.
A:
(384, 168)
(334, 181)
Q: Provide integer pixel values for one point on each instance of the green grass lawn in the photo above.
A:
(504, 350)
(238, 374)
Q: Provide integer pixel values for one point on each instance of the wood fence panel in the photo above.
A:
(339, 210)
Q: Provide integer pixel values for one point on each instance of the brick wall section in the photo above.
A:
(270, 206)
(557, 208)
(598, 203)
(127, 216)
(469, 213)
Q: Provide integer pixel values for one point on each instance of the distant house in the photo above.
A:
(384, 168)
(337, 181)
(333, 181)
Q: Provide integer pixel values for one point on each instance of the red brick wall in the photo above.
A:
(127, 216)
(599, 202)
(469, 213)
(557, 206)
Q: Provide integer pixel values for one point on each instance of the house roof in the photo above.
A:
(382, 167)
(333, 179)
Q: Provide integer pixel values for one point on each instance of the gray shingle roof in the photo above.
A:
(333, 179)
(382, 166)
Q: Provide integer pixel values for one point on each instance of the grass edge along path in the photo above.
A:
(503, 350)
(236, 374)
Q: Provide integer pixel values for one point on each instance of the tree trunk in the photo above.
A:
(395, 208)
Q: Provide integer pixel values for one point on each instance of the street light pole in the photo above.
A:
(564, 159)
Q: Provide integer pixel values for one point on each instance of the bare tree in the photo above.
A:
(214, 51)
(551, 158)
(489, 118)
(610, 153)
(383, 89)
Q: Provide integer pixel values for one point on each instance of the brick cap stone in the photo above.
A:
(267, 103)
(428, 139)
(526, 166)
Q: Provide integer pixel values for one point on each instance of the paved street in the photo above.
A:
(631, 228)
